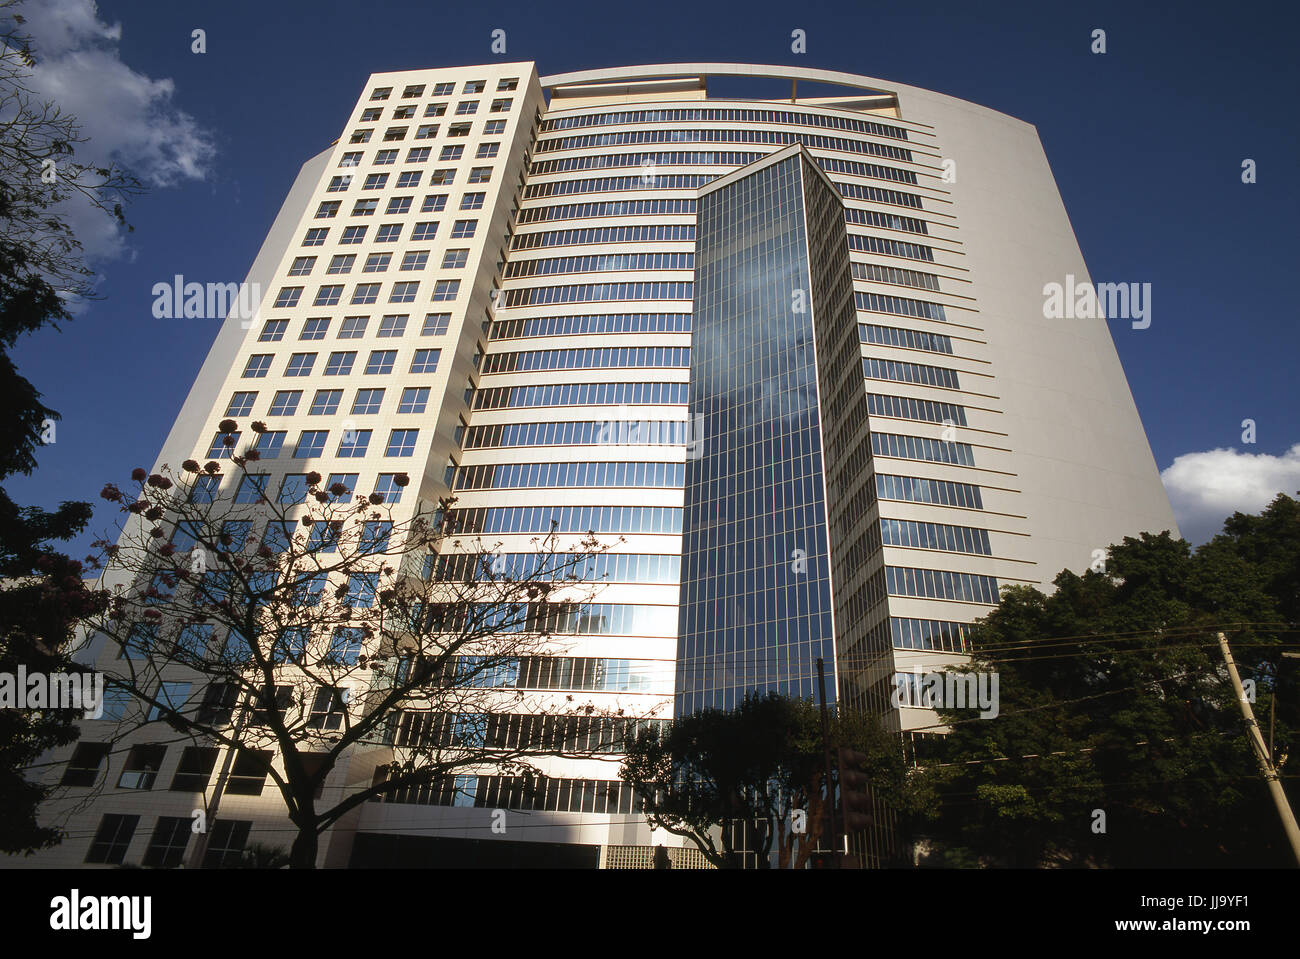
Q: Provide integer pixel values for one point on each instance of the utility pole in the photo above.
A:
(1262, 754)
(829, 833)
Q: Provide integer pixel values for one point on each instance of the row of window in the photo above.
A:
(425, 131)
(775, 137)
(168, 842)
(612, 357)
(567, 519)
(582, 394)
(581, 673)
(922, 448)
(416, 90)
(610, 797)
(597, 292)
(611, 184)
(366, 293)
(900, 306)
(907, 339)
(391, 325)
(569, 475)
(886, 221)
(890, 274)
(601, 567)
(930, 634)
(407, 111)
(603, 234)
(941, 584)
(340, 363)
(913, 489)
(311, 443)
(605, 208)
(591, 323)
(877, 369)
(647, 160)
(917, 535)
(293, 488)
(725, 114)
(552, 266)
(341, 264)
(526, 732)
(909, 408)
(875, 194)
(580, 433)
(875, 244)
(413, 399)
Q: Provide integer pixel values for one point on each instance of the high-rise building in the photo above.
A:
(792, 349)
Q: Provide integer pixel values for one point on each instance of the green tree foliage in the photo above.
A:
(1114, 703)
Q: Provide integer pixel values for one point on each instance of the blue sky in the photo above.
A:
(1146, 142)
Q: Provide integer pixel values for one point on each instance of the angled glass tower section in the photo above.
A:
(756, 598)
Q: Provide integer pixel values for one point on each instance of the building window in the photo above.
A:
(365, 207)
(436, 109)
(502, 105)
(354, 327)
(393, 134)
(170, 697)
(365, 293)
(226, 843)
(316, 327)
(339, 184)
(434, 203)
(112, 839)
(385, 158)
(350, 159)
(327, 210)
(415, 260)
(436, 324)
(367, 402)
(455, 259)
(310, 443)
(425, 231)
(83, 767)
(360, 136)
(380, 362)
(463, 229)
(494, 128)
(327, 708)
(446, 290)
(223, 445)
(425, 361)
(241, 404)
(248, 773)
(486, 151)
(300, 364)
(252, 488)
(166, 848)
(426, 132)
(509, 83)
(354, 443)
(380, 93)
(415, 155)
(480, 174)
(413, 91)
(345, 645)
(142, 764)
(415, 398)
(386, 486)
(404, 292)
(328, 295)
(325, 403)
(218, 705)
(287, 298)
(442, 177)
(392, 325)
(316, 236)
(402, 443)
(472, 201)
(466, 108)
(404, 112)
(353, 234)
(302, 265)
(388, 233)
(451, 153)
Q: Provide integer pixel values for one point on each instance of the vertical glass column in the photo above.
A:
(756, 582)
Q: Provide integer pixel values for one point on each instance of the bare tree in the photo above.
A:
(308, 623)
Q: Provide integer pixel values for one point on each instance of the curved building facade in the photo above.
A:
(787, 352)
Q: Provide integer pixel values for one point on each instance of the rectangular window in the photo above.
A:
(466, 108)
(404, 292)
(341, 486)
(302, 265)
(300, 364)
(417, 155)
(112, 839)
(328, 295)
(83, 767)
(446, 290)
(480, 174)
(142, 765)
(360, 136)
(458, 130)
(341, 263)
(380, 362)
(325, 403)
(353, 234)
(365, 207)
(315, 328)
(408, 181)
(436, 109)
(380, 93)
(293, 489)
(510, 83)
(194, 770)
(327, 708)
(252, 488)
(385, 158)
(327, 209)
(367, 402)
(472, 201)
(425, 231)
(404, 112)
(310, 443)
(386, 485)
(388, 233)
(426, 132)
(223, 446)
(338, 184)
(402, 443)
(354, 443)
(226, 843)
(486, 151)
(494, 128)
(413, 91)
(350, 159)
(398, 205)
(170, 699)
(241, 404)
(415, 399)
(425, 361)
(285, 403)
(316, 236)
(377, 262)
(365, 293)
(218, 705)
(436, 324)
(442, 177)
(463, 229)
(392, 325)
(205, 488)
(353, 328)
(268, 444)
(393, 134)
(415, 260)
(287, 298)
(455, 259)
(345, 645)
(451, 153)
(434, 203)
(502, 105)
(248, 773)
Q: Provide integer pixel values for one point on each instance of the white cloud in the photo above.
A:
(1206, 488)
(127, 116)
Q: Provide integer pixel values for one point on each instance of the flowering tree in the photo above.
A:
(301, 626)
